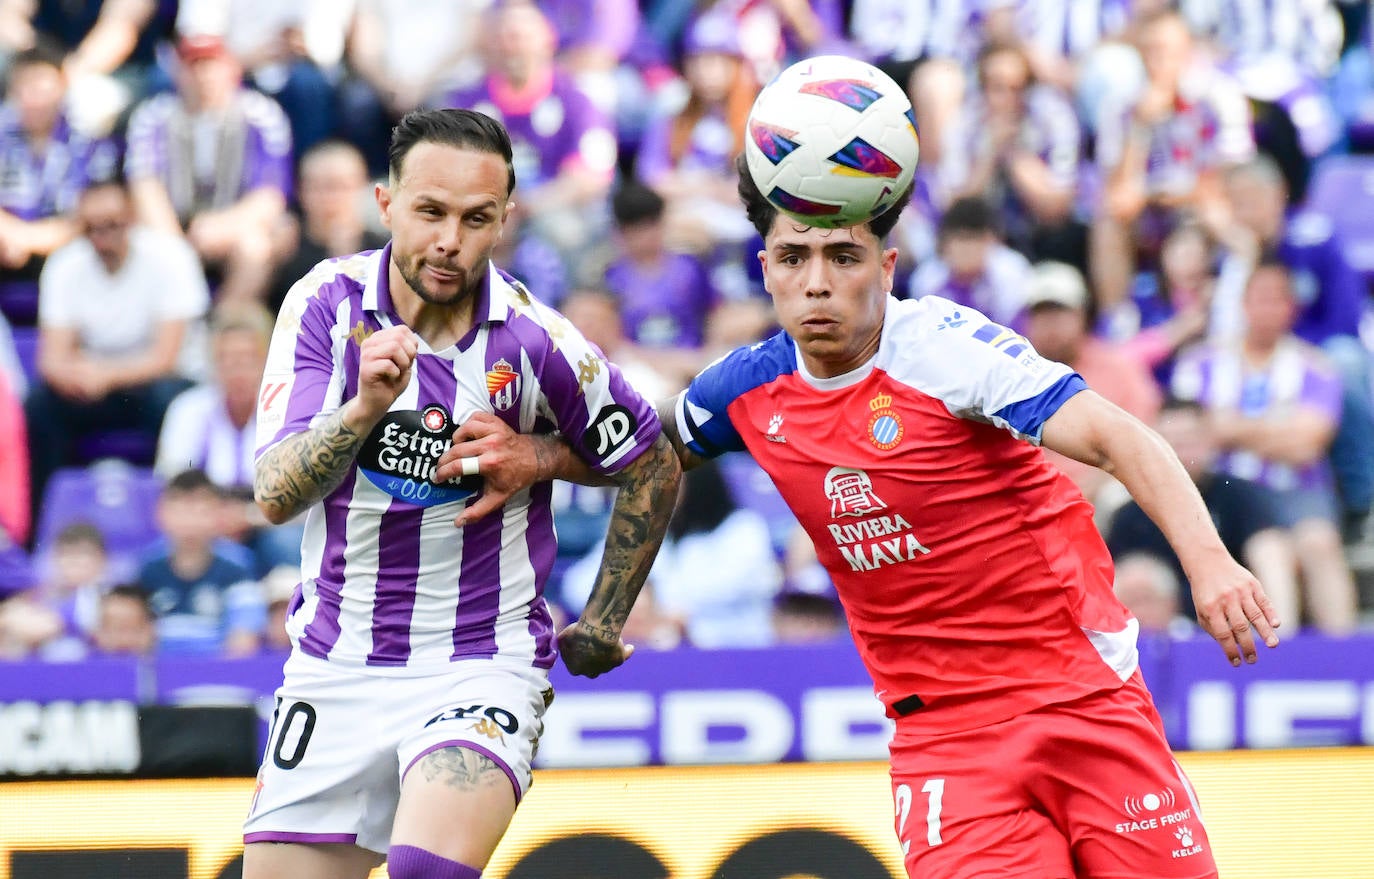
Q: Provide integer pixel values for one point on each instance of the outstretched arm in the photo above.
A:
(1228, 598)
(643, 505)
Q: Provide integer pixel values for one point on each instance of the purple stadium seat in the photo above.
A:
(1342, 188)
(118, 499)
(19, 302)
(16, 571)
(132, 446)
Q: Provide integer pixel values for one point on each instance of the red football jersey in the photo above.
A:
(975, 583)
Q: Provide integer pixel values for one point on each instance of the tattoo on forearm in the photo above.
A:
(462, 768)
(643, 506)
(305, 467)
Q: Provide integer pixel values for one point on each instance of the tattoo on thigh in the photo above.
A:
(462, 768)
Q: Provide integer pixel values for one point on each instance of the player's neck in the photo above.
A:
(439, 324)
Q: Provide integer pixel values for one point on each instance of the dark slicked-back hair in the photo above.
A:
(761, 212)
(465, 129)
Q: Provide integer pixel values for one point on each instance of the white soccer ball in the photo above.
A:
(832, 141)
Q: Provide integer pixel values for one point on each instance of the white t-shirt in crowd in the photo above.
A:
(116, 315)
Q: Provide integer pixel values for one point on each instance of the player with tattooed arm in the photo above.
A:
(414, 694)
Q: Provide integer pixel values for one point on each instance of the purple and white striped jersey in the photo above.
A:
(387, 582)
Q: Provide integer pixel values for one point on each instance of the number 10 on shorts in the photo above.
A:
(934, 789)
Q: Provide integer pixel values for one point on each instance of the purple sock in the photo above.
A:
(409, 862)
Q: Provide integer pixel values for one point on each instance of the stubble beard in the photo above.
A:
(467, 287)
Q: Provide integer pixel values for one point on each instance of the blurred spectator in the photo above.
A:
(597, 315)
(1275, 402)
(803, 618)
(565, 148)
(1016, 145)
(718, 605)
(897, 35)
(44, 165)
(211, 427)
(973, 267)
(334, 190)
(405, 53)
(16, 29)
(1150, 590)
(581, 512)
(665, 298)
(205, 601)
(127, 625)
(1279, 52)
(73, 576)
(26, 626)
(688, 154)
(112, 53)
(1332, 301)
(16, 509)
(1057, 326)
(1060, 38)
(1167, 309)
(213, 160)
(1162, 154)
(593, 37)
(268, 39)
(278, 591)
(778, 32)
(1242, 511)
(121, 330)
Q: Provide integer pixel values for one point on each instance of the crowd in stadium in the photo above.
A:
(1177, 200)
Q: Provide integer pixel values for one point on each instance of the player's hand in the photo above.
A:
(508, 462)
(1229, 602)
(588, 651)
(384, 363)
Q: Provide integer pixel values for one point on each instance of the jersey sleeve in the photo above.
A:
(984, 371)
(607, 423)
(298, 383)
(702, 420)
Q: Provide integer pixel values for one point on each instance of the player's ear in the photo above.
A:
(383, 195)
(889, 268)
(763, 264)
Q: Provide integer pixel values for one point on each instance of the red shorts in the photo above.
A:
(1084, 790)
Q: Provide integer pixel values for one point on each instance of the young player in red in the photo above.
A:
(904, 436)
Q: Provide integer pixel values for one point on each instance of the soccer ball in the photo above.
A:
(832, 141)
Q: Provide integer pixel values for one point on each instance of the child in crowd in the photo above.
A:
(206, 602)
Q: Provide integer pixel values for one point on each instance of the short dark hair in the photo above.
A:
(136, 593)
(970, 215)
(633, 202)
(80, 532)
(189, 481)
(762, 214)
(115, 179)
(460, 127)
(45, 51)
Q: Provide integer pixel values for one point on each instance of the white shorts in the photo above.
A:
(341, 743)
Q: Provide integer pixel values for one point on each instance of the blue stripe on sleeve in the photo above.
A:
(1028, 416)
(708, 398)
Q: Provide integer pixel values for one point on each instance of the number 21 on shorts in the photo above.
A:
(934, 789)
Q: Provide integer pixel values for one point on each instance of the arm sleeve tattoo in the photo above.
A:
(303, 468)
(639, 519)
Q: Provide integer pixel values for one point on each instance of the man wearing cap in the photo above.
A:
(213, 161)
(1057, 326)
